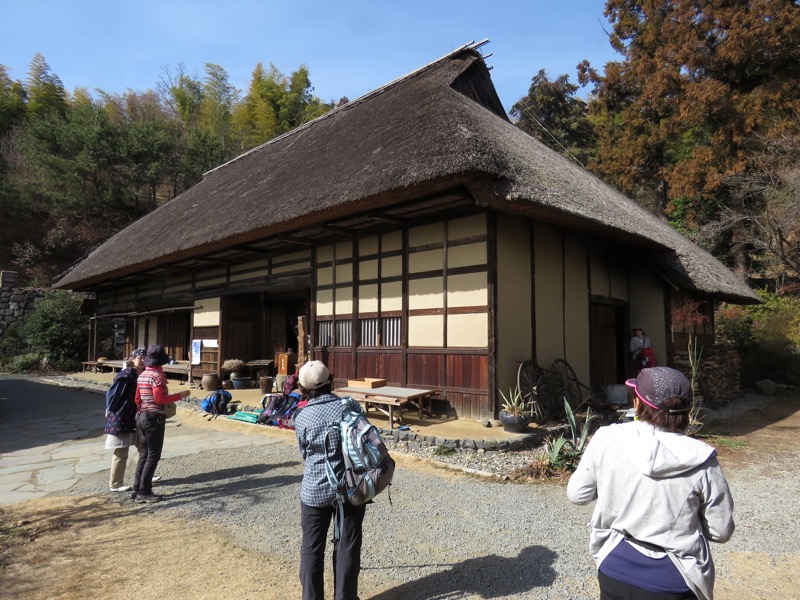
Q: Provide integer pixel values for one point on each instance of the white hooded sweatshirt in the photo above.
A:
(658, 489)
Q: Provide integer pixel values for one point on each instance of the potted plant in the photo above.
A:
(513, 414)
(233, 367)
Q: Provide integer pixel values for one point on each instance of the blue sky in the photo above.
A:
(350, 48)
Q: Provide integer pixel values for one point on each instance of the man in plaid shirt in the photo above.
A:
(317, 496)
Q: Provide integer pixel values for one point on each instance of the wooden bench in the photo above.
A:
(380, 403)
(386, 406)
(180, 367)
(90, 366)
(113, 365)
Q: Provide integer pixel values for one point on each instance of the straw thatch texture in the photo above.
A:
(435, 129)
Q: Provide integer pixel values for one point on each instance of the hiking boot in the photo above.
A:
(148, 498)
(133, 496)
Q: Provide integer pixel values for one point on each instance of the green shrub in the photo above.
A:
(55, 330)
(442, 450)
(766, 336)
(24, 363)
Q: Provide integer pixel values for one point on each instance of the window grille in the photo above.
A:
(324, 333)
(390, 331)
(344, 333)
(369, 331)
(383, 332)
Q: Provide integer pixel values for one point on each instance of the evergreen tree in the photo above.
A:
(699, 84)
(556, 117)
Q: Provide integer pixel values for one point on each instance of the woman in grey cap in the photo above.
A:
(661, 497)
(120, 427)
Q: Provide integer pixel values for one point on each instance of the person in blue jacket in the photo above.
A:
(120, 426)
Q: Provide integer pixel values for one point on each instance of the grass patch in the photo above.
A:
(442, 450)
(13, 533)
(721, 441)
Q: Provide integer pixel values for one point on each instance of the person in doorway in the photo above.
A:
(318, 497)
(120, 426)
(151, 397)
(661, 497)
(642, 350)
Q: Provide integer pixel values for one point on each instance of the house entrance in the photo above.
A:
(257, 326)
(607, 344)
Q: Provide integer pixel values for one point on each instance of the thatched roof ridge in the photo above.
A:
(443, 122)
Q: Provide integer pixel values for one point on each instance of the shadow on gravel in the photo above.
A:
(214, 490)
(232, 473)
(488, 577)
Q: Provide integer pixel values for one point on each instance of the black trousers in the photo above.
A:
(315, 522)
(613, 589)
(150, 427)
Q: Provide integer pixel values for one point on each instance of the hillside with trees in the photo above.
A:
(76, 167)
(699, 120)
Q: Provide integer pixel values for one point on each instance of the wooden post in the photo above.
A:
(302, 350)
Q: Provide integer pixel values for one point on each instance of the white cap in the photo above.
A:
(314, 374)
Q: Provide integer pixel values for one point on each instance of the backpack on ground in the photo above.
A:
(216, 403)
(368, 467)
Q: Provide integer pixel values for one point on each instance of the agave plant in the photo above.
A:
(565, 453)
(579, 434)
(514, 403)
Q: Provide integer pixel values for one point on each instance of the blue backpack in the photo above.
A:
(216, 403)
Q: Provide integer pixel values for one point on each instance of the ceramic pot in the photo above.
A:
(210, 382)
(514, 423)
(240, 383)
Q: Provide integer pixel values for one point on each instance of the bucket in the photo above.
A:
(618, 394)
(265, 383)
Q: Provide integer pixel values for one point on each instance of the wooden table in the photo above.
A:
(386, 398)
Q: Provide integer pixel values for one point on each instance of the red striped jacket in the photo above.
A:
(151, 391)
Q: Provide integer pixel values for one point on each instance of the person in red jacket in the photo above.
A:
(151, 397)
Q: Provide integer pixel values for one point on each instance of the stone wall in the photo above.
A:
(15, 304)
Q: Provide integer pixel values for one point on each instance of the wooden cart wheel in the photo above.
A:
(530, 383)
(567, 384)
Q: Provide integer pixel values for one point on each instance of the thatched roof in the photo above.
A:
(435, 129)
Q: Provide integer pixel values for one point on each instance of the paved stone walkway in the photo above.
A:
(40, 455)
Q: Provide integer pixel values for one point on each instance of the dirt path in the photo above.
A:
(72, 549)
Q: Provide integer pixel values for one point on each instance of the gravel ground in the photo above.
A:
(448, 535)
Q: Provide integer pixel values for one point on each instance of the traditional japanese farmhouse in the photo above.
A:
(425, 239)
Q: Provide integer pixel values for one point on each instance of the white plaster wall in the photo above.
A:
(549, 294)
(426, 293)
(514, 289)
(468, 331)
(206, 312)
(426, 331)
(469, 289)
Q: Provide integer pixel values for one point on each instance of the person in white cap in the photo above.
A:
(317, 496)
(661, 497)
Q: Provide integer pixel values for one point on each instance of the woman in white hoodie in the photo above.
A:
(661, 497)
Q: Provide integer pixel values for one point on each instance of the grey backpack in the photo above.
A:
(368, 467)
